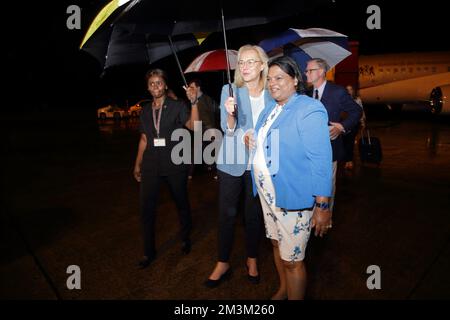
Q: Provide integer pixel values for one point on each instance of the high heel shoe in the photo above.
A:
(215, 283)
(253, 279)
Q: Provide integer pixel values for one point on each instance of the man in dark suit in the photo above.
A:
(336, 100)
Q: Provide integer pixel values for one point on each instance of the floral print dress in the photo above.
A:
(290, 228)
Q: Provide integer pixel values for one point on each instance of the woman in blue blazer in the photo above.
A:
(233, 166)
(292, 172)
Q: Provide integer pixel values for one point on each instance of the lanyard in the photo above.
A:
(157, 123)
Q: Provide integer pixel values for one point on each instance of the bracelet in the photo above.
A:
(322, 205)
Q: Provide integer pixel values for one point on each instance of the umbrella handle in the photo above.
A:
(231, 94)
(230, 90)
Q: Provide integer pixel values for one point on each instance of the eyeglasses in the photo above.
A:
(311, 70)
(249, 62)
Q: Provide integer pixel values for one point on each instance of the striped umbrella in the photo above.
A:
(305, 44)
(214, 60)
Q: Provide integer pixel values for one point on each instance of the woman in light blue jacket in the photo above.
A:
(250, 98)
(292, 170)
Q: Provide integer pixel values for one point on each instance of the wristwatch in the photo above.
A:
(322, 205)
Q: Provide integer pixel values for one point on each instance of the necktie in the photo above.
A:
(316, 94)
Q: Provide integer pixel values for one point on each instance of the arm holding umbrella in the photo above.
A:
(230, 87)
(191, 94)
(230, 107)
(228, 122)
(216, 60)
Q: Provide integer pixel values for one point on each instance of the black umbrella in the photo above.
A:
(175, 18)
(179, 17)
(171, 18)
(118, 46)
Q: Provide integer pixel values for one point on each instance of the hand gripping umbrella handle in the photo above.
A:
(231, 94)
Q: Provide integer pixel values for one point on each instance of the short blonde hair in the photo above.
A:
(262, 56)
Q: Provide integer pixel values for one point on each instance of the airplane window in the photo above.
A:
(395, 70)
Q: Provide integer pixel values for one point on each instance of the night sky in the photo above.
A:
(45, 69)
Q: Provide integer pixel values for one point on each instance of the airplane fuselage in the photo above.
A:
(405, 77)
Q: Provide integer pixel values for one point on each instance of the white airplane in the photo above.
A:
(395, 79)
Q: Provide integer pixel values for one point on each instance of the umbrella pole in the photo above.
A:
(230, 87)
(178, 61)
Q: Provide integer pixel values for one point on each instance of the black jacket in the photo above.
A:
(157, 160)
(337, 100)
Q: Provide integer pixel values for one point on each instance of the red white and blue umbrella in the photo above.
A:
(305, 44)
(214, 60)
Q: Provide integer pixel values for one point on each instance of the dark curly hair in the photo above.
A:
(156, 72)
(289, 66)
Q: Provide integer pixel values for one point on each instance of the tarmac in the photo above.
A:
(70, 199)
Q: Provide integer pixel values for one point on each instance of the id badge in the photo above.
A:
(159, 142)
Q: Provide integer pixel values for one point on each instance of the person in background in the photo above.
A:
(349, 139)
(337, 101)
(207, 109)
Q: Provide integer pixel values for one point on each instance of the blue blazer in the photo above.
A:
(233, 156)
(337, 100)
(298, 153)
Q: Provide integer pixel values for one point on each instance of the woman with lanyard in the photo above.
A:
(159, 119)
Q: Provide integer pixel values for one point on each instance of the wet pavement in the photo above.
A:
(69, 198)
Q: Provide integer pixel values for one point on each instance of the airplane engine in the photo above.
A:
(440, 100)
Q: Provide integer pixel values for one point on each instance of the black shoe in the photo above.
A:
(253, 279)
(146, 262)
(215, 283)
(186, 247)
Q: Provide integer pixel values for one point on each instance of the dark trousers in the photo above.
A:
(149, 200)
(349, 143)
(193, 167)
(230, 188)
